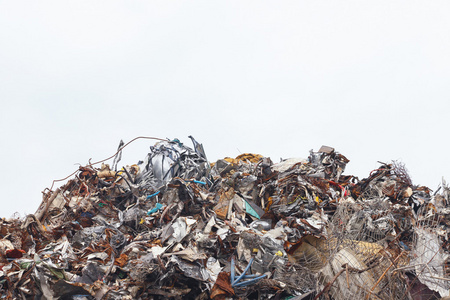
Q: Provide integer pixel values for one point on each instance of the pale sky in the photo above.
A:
(278, 78)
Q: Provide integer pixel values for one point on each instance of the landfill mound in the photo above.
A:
(178, 227)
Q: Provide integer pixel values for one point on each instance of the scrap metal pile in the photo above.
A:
(177, 227)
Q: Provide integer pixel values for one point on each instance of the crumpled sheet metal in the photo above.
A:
(170, 227)
(170, 159)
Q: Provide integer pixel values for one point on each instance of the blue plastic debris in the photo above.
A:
(153, 195)
(404, 246)
(249, 209)
(196, 181)
(249, 282)
(253, 278)
(232, 269)
(157, 207)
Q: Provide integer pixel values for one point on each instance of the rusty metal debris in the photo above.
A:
(177, 227)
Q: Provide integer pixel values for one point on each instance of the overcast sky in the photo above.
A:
(369, 78)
